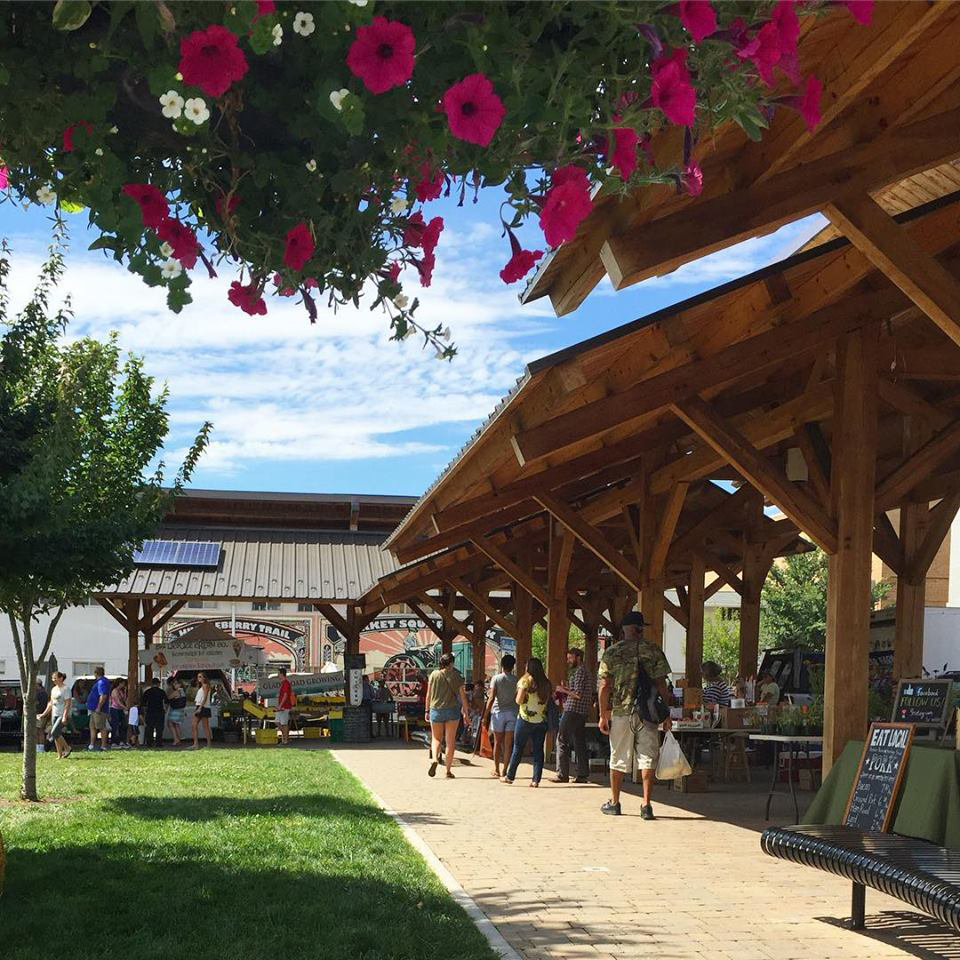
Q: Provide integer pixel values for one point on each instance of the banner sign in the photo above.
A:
(356, 687)
(202, 655)
(303, 684)
(414, 624)
(281, 640)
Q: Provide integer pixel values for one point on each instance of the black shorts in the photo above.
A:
(57, 730)
(203, 713)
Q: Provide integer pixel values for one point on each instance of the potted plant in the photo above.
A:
(789, 721)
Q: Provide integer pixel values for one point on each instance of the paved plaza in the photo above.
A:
(559, 880)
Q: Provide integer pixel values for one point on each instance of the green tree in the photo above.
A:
(794, 602)
(721, 642)
(538, 644)
(79, 431)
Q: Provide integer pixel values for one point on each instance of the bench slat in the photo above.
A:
(919, 873)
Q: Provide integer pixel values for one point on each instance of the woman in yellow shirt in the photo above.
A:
(533, 694)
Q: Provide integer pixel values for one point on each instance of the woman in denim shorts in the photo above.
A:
(503, 711)
(446, 700)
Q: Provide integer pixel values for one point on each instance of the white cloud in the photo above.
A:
(279, 389)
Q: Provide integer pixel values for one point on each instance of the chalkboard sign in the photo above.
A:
(923, 702)
(877, 783)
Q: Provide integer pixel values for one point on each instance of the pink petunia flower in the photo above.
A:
(473, 110)
(299, 247)
(431, 236)
(763, 51)
(248, 298)
(784, 18)
(282, 291)
(4, 178)
(393, 271)
(211, 60)
(264, 9)
(624, 153)
(692, 179)
(698, 18)
(68, 134)
(183, 241)
(413, 230)
(566, 205)
(671, 90)
(520, 263)
(429, 186)
(154, 208)
(808, 103)
(230, 206)
(860, 10)
(382, 54)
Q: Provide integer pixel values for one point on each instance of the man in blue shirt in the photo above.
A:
(98, 707)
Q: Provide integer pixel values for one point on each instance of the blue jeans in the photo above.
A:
(535, 732)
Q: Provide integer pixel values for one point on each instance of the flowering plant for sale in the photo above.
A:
(300, 145)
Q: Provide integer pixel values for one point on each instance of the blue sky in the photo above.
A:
(336, 407)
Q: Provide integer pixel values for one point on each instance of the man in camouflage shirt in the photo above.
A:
(629, 735)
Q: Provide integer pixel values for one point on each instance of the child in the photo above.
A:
(133, 726)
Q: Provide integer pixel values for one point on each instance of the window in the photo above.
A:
(305, 608)
(265, 605)
(3, 668)
(203, 604)
(85, 668)
(729, 613)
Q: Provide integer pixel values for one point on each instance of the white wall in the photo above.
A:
(953, 585)
(941, 638)
(83, 634)
(675, 636)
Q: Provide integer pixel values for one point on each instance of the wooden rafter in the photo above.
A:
(481, 603)
(726, 573)
(665, 530)
(446, 614)
(886, 543)
(917, 467)
(427, 619)
(678, 613)
(593, 540)
(941, 517)
(911, 403)
(935, 291)
(769, 479)
(512, 569)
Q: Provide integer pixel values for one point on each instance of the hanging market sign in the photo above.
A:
(303, 684)
(280, 640)
(224, 654)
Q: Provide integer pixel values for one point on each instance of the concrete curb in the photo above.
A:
(483, 923)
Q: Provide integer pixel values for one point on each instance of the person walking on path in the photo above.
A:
(533, 693)
(178, 703)
(446, 703)
(118, 714)
(285, 702)
(630, 734)
(98, 707)
(57, 711)
(502, 709)
(573, 723)
(154, 701)
(201, 710)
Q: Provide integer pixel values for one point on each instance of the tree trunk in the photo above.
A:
(28, 785)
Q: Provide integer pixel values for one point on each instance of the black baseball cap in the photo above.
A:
(633, 619)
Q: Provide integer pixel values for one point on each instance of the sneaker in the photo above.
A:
(611, 809)
(92, 749)
(581, 780)
(432, 772)
(560, 779)
(450, 775)
(646, 812)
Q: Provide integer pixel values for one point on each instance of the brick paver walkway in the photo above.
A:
(559, 880)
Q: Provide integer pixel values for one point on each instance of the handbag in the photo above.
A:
(647, 702)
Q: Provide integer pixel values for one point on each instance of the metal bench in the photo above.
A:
(917, 872)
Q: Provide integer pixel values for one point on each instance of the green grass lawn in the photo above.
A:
(245, 854)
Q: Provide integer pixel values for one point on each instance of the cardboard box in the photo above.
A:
(734, 718)
(692, 697)
(696, 782)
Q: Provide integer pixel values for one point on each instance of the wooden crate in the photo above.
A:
(267, 736)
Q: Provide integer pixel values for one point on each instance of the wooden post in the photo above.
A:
(479, 646)
(131, 612)
(694, 646)
(755, 571)
(911, 596)
(651, 597)
(523, 608)
(558, 621)
(352, 636)
(852, 484)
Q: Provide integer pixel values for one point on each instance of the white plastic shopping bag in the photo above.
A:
(672, 762)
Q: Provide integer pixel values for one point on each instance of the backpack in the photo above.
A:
(647, 702)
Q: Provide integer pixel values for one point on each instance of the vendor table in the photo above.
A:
(795, 745)
(929, 804)
(722, 735)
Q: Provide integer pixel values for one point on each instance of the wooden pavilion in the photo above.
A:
(826, 385)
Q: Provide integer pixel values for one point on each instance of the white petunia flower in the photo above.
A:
(409, 332)
(46, 195)
(166, 250)
(277, 35)
(114, 129)
(171, 269)
(196, 109)
(303, 24)
(99, 151)
(401, 301)
(311, 165)
(399, 205)
(359, 3)
(445, 333)
(337, 97)
(172, 104)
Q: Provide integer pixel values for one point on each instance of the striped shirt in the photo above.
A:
(717, 691)
(583, 684)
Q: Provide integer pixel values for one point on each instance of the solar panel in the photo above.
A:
(177, 553)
